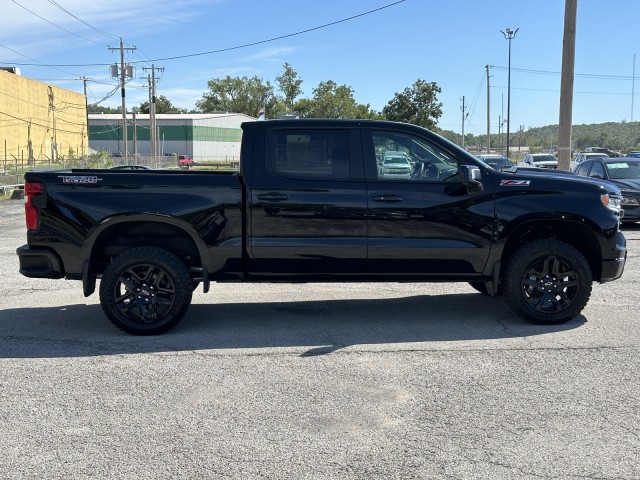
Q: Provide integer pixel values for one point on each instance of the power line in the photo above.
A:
(584, 75)
(237, 47)
(57, 26)
(39, 63)
(82, 21)
(24, 120)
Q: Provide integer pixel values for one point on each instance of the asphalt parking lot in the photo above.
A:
(317, 381)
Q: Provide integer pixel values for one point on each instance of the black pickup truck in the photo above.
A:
(325, 200)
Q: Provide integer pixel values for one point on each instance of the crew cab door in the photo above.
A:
(426, 222)
(308, 202)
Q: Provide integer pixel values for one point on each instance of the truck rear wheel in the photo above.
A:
(145, 291)
(547, 282)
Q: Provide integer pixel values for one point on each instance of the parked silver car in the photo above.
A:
(539, 160)
(395, 165)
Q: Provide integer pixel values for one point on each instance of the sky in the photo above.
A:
(377, 47)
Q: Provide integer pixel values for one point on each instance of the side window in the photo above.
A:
(313, 154)
(583, 169)
(597, 170)
(400, 156)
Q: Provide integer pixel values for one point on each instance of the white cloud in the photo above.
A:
(40, 28)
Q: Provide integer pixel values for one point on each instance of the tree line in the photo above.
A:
(417, 104)
(617, 136)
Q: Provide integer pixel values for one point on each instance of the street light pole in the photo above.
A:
(509, 35)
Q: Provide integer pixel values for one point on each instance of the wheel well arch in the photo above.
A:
(577, 234)
(123, 235)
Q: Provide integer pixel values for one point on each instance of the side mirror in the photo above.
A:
(471, 176)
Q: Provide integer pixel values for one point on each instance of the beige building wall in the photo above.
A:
(40, 122)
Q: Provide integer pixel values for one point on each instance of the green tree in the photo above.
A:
(163, 105)
(239, 95)
(331, 100)
(418, 105)
(289, 85)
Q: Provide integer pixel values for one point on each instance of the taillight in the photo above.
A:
(32, 216)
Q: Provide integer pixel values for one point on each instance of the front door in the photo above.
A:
(424, 222)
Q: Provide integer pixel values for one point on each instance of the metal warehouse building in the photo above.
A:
(202, 136)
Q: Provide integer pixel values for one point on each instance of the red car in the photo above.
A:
(185, 160)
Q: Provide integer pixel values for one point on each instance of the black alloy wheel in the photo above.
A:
(145, 291)
(547, 282)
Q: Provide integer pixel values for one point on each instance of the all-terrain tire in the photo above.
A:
(547, 282)
(145, 291)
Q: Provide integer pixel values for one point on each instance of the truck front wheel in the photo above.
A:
(547, 282)
(145, 291)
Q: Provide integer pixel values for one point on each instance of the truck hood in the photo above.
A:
(557, 176)
(628, 184)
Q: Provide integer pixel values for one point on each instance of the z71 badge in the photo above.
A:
(79, 179)
(514, 183)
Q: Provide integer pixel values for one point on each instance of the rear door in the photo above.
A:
(427, 224)
(308, 201)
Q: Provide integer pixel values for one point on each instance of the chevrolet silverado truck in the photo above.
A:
(310, 204)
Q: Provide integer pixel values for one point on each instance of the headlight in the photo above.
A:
(611, 202)
(629, 198)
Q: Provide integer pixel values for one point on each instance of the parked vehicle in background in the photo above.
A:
(624, 172)
(496, 161)
(395, 165)
(609, 153)
(185, 161)
(539, 160)
(632, 154)
(581, 157)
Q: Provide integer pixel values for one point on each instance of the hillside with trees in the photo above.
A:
(617, 136)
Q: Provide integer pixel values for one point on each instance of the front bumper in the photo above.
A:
(38, 262)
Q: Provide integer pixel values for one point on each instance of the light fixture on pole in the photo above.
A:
(509, 35)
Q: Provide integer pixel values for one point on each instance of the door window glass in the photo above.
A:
(597, 170)
(583, 169)
(400, 156)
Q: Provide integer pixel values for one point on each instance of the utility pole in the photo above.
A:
(488, 115)
(123, 75)
(566, 84)
(464, 116)
(135, 136)
(152, 123)
(86, 108)
(153, 137)
(633, 84)
(54, 139)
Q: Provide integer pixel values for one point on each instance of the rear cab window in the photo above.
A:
(311, 154)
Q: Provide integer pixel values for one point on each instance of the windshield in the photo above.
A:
(624, 170)
(396, 160)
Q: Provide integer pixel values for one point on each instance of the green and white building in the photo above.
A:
(202, 136)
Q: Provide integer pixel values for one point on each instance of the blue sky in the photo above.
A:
(378, 54)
